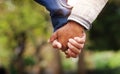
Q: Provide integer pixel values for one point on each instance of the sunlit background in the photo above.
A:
(25, 28)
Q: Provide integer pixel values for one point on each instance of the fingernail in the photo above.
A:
(59, 45)
(70, 40)
(66, 52)
(68, 45)
(78, 39)
(75, 37)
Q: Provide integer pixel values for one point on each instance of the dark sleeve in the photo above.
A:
(59, 11)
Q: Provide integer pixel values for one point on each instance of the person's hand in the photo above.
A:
(63, 34)
(75, 46)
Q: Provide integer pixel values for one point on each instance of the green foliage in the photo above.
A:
(4, 54)
(18, 17)
(69, 63)
(103, 60)
(115, 61)
(29, 61)
(25, 16)
(99, 60)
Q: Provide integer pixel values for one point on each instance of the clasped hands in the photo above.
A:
(70, 39)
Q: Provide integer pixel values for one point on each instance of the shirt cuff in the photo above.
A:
(86, 24)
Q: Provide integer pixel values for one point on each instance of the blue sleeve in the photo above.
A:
(59, 11)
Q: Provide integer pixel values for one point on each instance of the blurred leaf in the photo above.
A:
(115, 61)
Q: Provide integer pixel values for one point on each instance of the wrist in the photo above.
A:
(71, 23)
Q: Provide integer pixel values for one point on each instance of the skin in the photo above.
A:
(75, 46)
(70, 39)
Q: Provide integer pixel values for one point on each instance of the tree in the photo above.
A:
(19, 24)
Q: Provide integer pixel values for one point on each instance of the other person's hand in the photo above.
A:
(63, 34)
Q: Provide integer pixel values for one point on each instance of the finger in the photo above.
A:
(67, 55)
(73, 49)
(56, 44)
(76, 44)
(71, 54)
(53, 37)
(80, 39)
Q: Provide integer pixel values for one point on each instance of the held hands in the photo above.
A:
(70, 39)
(75, 46)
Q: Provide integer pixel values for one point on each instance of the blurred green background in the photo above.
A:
(25, 27)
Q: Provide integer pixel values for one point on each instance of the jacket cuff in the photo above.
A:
(86, 24)
(85, 12)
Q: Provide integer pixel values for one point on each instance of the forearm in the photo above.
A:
(85, 12)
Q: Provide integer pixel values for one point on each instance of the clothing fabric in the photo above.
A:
(83, 12)
(59, 11)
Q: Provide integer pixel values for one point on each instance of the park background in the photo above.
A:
(25, 27)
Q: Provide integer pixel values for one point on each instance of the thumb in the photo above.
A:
(53, 37)
(56, 44)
